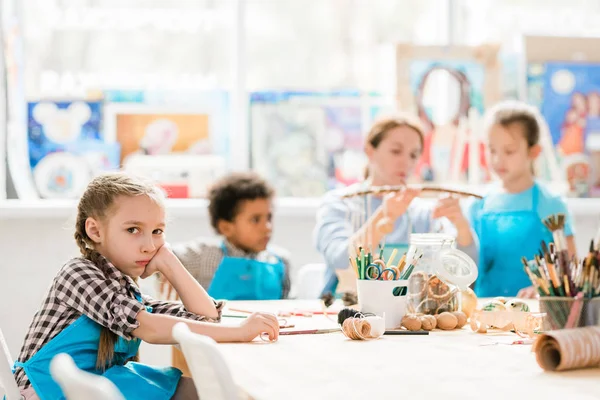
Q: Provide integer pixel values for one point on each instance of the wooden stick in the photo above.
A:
(398, 188)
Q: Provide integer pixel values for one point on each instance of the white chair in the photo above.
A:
(7, 379)
(78, 384)
(309, 282)
(209, 370)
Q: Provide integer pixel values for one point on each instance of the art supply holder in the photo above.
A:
(381, 298)
(440, 275)
(566, 313)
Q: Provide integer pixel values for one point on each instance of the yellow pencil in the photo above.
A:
(401, 263)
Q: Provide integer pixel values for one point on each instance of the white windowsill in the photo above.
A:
(177, 208)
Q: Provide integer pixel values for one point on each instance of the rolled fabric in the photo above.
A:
(568, 349)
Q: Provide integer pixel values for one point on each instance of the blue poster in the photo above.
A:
(571, 106)
(66, 148)
(571, 95)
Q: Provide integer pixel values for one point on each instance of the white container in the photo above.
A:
(377, 297)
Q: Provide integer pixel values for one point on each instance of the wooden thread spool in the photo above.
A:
(357, 329)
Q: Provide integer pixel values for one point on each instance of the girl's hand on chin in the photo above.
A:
(161, 261)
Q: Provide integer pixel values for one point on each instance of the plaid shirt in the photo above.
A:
(102, 293)
(202, 258)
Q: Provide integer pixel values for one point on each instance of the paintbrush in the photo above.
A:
(309, 332)
(556, 224)
(597, 240)
(405, 332)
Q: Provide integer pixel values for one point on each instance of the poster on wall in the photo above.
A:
(309, 142)
(66, 148)
(571, 106)
(208, 109)
(562, 78)
(183, 147)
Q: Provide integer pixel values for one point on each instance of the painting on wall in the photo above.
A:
(309, 142)
(163, 122)
(179, 138)
(571, 106)
(66, 147)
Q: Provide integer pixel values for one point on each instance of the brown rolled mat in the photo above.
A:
(568, 349)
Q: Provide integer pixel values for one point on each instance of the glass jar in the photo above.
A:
(440, 273)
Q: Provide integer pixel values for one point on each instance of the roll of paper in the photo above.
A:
(568, 349)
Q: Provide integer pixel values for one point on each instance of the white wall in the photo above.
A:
(35, 242)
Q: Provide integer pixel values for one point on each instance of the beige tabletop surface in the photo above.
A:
(458, 364)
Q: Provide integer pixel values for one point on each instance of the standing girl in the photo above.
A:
(508, 220)
(95, 312)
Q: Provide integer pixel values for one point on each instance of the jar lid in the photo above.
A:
(457, 268)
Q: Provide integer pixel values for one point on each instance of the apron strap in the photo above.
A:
(534, 197)
(224, 249)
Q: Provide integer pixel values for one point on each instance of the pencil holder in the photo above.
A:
(381, 297)
(569, 312)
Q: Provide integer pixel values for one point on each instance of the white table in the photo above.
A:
(457, 364)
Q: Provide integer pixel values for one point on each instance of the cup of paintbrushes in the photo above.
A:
(570, 312)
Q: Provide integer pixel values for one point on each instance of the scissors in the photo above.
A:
(375, 272)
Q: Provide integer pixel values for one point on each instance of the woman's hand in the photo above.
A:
(396, 204)
(449, 207)
(257, 324)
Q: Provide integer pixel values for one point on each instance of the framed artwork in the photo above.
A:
(180, 147)
(563, 80)
(309, 142)
(168, 122)
(66, 148)
(571, 106)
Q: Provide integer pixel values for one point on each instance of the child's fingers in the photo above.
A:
(270, 330)
(271, 320)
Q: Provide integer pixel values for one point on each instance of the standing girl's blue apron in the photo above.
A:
(239, 278)
(504, 238)
(80, 340)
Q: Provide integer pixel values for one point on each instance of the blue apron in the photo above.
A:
(239, 278)
(504, 238)
(80, 340)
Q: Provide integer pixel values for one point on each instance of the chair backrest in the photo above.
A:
(7, 379)
(78, 384)
(310, 281)
(209, 370)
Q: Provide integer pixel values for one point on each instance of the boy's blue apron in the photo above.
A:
(239, 278)
(504, 238)
(80, 340)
